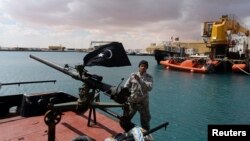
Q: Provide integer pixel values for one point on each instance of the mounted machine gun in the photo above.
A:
(109, 55)
(218, 34)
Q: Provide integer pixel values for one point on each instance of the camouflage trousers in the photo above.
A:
(143, 109)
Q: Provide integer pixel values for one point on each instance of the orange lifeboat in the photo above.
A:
(239, 67)
(189, 65)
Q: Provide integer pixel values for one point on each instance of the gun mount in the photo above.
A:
(109, 56)
(91, 82)
(88, 95)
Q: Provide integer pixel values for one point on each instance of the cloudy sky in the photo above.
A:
(135, 23)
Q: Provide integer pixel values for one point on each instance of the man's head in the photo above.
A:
(143, 62)
(143, 66)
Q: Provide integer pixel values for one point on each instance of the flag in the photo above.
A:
(109, 55)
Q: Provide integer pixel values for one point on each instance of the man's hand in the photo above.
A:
(136, 77)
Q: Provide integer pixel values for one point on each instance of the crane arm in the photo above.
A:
(218, 32)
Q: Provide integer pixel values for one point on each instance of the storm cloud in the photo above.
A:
(135, 23)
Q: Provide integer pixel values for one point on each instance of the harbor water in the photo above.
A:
(188, 101)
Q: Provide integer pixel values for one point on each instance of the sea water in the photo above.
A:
(188, 101)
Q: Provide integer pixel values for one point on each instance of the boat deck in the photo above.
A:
(71, 125)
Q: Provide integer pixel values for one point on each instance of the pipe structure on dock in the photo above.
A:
(26, 82)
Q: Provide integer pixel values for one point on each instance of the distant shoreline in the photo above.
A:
(80, 51)
(44, 51)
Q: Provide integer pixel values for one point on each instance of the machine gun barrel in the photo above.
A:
(156, 128)
(93, 83)
(57, 67)
(131, 138)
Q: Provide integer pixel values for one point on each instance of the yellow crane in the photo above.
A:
(218, 34)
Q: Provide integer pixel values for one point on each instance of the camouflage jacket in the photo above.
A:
(139, 89)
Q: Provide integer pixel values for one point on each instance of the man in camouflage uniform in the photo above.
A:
(139, 84)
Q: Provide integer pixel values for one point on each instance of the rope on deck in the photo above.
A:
(239, 68)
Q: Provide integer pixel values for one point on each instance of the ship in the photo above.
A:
(60, 116)
(168, 49)
(228, 41)
(23, 117)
